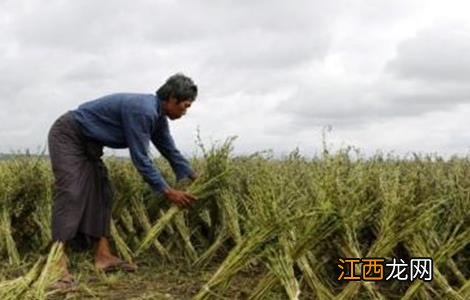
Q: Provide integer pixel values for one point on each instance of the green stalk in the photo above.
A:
(198, 189)
(5, 226)
(15, 288)
(121, 245)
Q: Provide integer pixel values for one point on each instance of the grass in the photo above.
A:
(264, 227)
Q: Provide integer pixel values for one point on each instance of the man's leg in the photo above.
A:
(105, 260)
(65, 155)
(103, 255)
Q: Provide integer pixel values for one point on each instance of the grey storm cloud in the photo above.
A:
(65, 52)
(437, 55)
(429, 73)
(94, 40)
(96, 26)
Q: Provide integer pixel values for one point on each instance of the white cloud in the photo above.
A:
(272, 72)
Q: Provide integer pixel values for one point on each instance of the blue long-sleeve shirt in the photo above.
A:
(131, 121)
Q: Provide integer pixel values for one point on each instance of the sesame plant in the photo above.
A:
(279, 223)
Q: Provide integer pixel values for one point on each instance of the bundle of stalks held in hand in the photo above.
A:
(200, 189)
(206, 186)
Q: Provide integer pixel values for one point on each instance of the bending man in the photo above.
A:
(83, 196)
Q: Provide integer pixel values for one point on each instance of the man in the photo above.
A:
(83, 197)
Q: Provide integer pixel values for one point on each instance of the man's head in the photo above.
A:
(177, 95)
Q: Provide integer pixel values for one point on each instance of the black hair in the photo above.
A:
(178, 86)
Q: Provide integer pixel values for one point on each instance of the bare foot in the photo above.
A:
(106, 261)
(113, 263)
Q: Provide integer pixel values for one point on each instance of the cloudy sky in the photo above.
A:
(383, 75)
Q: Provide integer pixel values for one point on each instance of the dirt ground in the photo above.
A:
(153, 280)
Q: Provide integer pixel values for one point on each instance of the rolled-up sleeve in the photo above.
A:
(137, 130)
(165, 144)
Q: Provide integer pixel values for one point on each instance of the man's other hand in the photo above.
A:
(180, 198)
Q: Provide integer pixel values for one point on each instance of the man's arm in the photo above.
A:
(137, 129)
(163, 141)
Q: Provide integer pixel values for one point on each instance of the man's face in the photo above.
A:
(174, 109)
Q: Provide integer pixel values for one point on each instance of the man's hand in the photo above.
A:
(180, 198)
